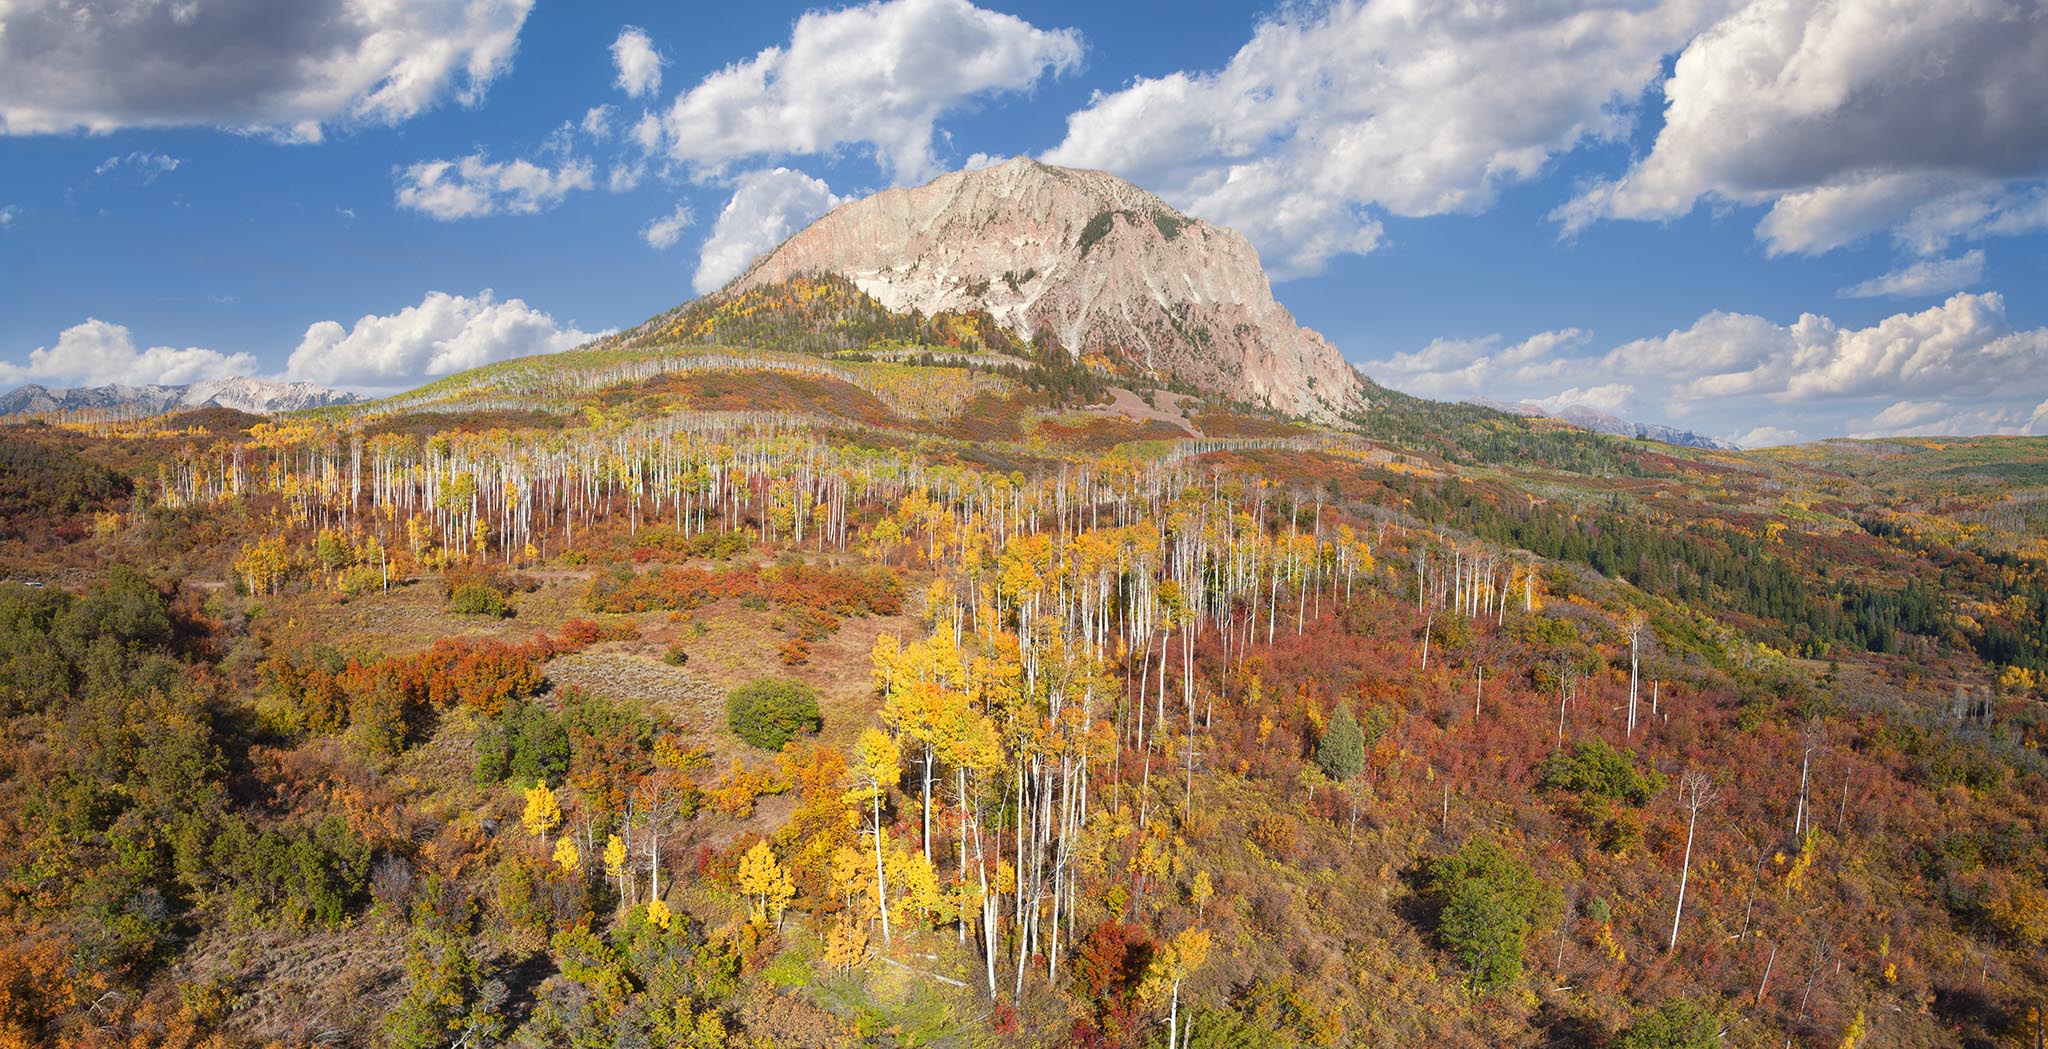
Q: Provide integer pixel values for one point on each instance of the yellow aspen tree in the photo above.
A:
(877, 764)
(844, 873)
(846, 943)
(566, 856)
(764, 881)
(1175, 961)
(542, 812)
(615, 857)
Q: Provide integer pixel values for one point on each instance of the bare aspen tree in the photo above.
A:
(1632, 627)
(1571, 905)
(1428, 623)
(1811, 742)
(1848, 775)
(1567, 681)
(1765, 983)
(1823, 953)
(1695, 792)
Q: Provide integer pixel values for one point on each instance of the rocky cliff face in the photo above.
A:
(257, 396)
(1098, 263)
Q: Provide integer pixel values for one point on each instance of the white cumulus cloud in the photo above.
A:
(646, 133)
(1331, 114)
(1457, 369)
(638, 63)
(443, 334)
(475, 186)
(1614, 398)
(1848, 119)
(877, 76)
(1959, 367)
(766, 208)
(1962, 347)
(1925, 277)
(1768, 436)
(662, 233)
(96, 353)
(1941, 418)
(287, 69)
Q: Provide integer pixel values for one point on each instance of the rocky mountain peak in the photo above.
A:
(1109, 270)
(256, 396)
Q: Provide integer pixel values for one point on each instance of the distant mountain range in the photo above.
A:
(1593, 419)
(256, 396)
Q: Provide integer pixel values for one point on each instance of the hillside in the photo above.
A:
(1097, 713)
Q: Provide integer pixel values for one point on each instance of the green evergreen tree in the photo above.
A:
(1490, 905)
(1341, 753)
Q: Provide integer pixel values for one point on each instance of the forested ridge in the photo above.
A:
(621, 699)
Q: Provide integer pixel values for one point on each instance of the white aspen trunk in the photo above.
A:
(1427, 623)
(1633, 638)
(1684, 872)
(1173, 1017)
(881, 884)
(927, 803)
(1799, 811)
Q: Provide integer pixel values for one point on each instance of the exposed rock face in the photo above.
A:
(1102, 265)
(256, 396)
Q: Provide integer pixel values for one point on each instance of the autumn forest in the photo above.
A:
(790, 673)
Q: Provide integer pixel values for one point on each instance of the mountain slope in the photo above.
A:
(1587, 418)
(1106, 269)
(257, 396)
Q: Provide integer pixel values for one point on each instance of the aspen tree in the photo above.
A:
(765, 882)
(1633, 625)
(1810, 741)
(1695, 791)
(877, 764)
(1174, 962)
(615, 865)
(542, 812)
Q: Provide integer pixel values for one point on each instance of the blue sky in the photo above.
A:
(1762, 219)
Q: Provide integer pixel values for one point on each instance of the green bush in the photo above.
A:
(1490, 904)
(305, 874)
(361, 579)
(1595, 767)
(476, 599)
(1677, 1024)
(769, 712)
(527, 743)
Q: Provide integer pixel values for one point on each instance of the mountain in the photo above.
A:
(1594, 419)
(256, 396)
(1110, 271)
